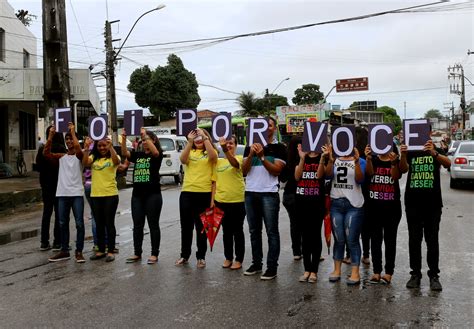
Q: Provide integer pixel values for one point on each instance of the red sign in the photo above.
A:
(354, 84)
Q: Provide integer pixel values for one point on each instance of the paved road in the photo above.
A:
(38, 294)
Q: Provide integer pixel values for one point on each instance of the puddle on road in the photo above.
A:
(298, 305)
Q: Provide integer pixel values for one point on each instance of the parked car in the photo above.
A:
(172, 146)
(239, 150)
(462, 166)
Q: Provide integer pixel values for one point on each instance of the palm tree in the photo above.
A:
(247, 101)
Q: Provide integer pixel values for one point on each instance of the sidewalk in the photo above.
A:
(19, 193)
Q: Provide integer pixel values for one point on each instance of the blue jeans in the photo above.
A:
(65, 204)
(346, 222)
(263, 207)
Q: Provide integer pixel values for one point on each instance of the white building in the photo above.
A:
(22, 89)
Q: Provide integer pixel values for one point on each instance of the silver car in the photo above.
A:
(462, 164)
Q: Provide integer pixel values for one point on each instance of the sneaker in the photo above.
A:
(201, 263)
(80, 257)
(181, 261)
(56, 247)
(414, 282)
(60, 256)
(252, 270)
(45, 246)
(269, 275)
(435, 285)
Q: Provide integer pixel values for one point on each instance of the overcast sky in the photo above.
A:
(399, 53)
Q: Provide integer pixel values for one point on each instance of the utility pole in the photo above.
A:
(450, 108)
(55, 58)
(404, 110)
(457, 72)
(110, 81)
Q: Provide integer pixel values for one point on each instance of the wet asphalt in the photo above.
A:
(35, 293)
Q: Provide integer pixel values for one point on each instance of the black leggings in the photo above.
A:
(384, 228)
(104, 209)
(148, 206)
(50, 202)
(311, 216)
(191, 205)
(233, 230)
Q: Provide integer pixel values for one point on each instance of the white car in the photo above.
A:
(462, 165)
(172, 146)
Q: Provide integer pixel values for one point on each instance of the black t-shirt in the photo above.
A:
(146, 173)
(309, 188)
(423, 181)
(382, 189)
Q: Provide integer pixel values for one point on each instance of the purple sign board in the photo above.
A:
(381, 138)
(314, 136)
(186, 121)
(133, 122)
(416, 133)
(98, 127)
(62, 117)
(257, 131)
(221, 126)
(343, 140)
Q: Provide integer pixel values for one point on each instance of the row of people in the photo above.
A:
(210, 181)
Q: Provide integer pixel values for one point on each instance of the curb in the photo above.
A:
(9, 237)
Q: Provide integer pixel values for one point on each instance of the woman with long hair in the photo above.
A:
(104, 193)
(347, 212)
(310, 208)
(198, 157)
(146, 196)
(229, 196)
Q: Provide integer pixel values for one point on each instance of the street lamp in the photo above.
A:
(278, 85)
(133, 26)
(111, 57)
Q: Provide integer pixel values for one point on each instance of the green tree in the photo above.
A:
(308, 94)
(390, 115)
(247, 101)
(165, 89)
(267, 105)
(433, 113)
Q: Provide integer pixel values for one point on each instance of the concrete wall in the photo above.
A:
(17, 39)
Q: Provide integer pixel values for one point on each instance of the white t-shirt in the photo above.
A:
(344, 185)
(70, 176)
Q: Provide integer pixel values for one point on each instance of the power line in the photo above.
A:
(218, 88)
(287, 29)
(80, 31)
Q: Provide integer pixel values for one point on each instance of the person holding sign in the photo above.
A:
(146, 196)
(347, 213)
(263, 165)
(70, 192)
(104, 193)
(383, 210)
(310, 195)
(423, 207)
(229, 196)
(199, 158)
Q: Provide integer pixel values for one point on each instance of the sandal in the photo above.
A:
(304, 277)
(181, 261)
(133, 259)
(313, 278)
(375, 279)
(97, 256)
(386, 279)
(152, 260)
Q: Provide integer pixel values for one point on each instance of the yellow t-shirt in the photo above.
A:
(103, 177)
(198, 172)
(230, 185)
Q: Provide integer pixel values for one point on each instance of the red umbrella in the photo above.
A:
(211, 221)
(327, 222)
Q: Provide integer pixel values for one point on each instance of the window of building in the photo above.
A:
(27, 131)
(26, 59)
(2, 45)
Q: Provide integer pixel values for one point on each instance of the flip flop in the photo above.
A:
(385, 280)
(374, 280)
(152, 260)
(352, 282)
(133, 259)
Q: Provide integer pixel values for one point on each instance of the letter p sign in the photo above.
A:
(186, 120)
